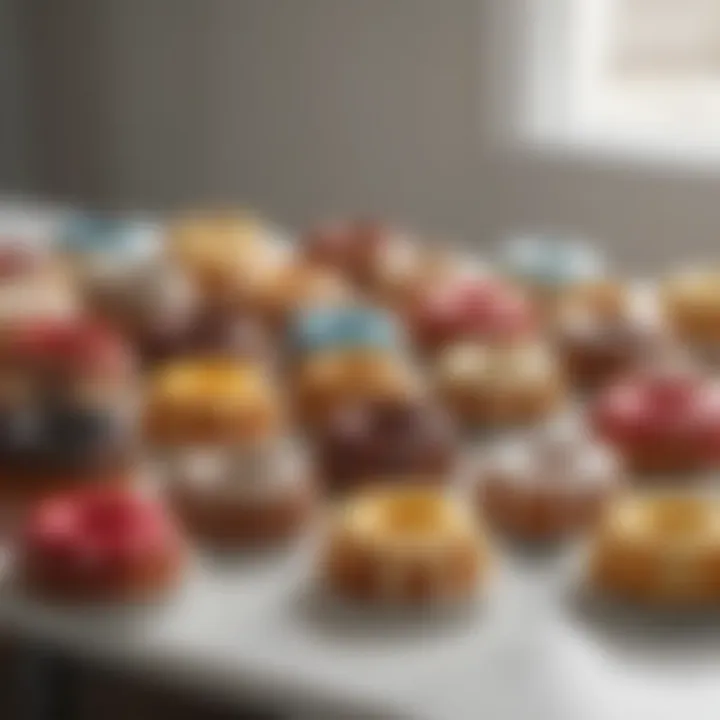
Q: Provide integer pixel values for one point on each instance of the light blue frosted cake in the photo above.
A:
(551, 263)
(344, 328)
(110, 236)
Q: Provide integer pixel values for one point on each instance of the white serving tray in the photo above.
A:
(256, 631)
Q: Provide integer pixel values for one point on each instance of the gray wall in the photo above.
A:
(298, 106)
(306, 106)
(14, 140)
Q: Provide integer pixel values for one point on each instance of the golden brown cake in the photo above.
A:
(329, 380)
(277, 294)
(138, 297)
(388, 264)
(406, 270)
(605, 330)
(551, 266)
(210, 401)
(404, 545)
(499, 384)
(606, 297)
(34, 286)
(659, 551)
(549, 485)
(224, 251)
(362, 249)
(692, 304)
(253, 494)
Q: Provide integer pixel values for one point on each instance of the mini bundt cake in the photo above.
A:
(549, 485)
(137, 297)
(691, 301)
(160, 308)
(499, 384)
(360, 249)
(659, 551)
(210, 401)
(407, 271)
(276, 295)
(33, 286)
(330, 380)
(662, 421)
(66, 406)
(551, 266)
(606, 331)
(70, 354)
(472, 309)
(386, 439)
(225, 252)
(255, 494)
(404, 545)
(97, 248)
(88, 239)
(100, 545)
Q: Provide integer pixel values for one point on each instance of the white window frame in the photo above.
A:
(529, 77)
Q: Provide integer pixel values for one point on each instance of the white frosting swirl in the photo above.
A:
(253, 474)
(480, 365)
(40, 297)
(559, 458)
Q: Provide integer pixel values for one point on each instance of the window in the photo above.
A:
(638, 73)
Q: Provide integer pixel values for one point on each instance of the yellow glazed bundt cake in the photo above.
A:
(330, 380)
(404, 544)
(210, 401)
(659, 550)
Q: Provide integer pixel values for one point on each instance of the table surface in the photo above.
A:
(534, 647)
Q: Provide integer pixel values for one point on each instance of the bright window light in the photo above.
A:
(642, 73)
